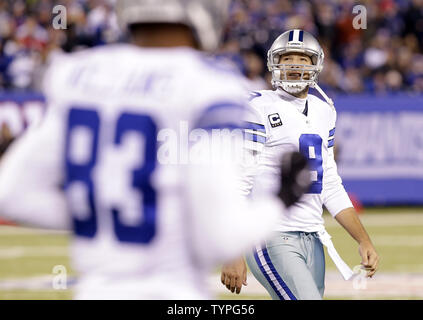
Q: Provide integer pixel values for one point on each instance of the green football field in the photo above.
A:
(28, 256)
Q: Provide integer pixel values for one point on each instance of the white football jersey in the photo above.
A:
(117, 138)
(286, 123)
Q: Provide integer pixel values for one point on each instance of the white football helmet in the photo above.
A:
(206, 17)
(295, 41)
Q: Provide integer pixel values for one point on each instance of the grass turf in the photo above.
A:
(396, 232)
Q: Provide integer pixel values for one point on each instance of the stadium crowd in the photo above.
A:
(384, 58)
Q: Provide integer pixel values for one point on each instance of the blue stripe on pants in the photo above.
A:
(283, 293)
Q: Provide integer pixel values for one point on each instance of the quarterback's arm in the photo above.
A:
(349, 220)
(339, 205)
(334, 196)
(30, 179)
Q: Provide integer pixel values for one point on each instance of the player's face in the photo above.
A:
(295, 59)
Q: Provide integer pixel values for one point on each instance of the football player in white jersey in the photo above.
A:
(111, 160)
(291, 265)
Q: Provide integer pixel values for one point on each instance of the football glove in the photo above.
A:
(295, 178)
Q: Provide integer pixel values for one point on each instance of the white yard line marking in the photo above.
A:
(12, 231)
(34, 283)
(398, 241)
(384, 220)
(14, 252)
(44, 282)
(408, 218)
(383, 285)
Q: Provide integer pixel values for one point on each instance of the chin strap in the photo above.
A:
(328, 100)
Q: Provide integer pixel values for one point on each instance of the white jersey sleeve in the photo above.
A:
(334, 196)
(254, 140)
(31, 177)
(255, 135)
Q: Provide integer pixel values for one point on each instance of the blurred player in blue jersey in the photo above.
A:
(291, 264)
(102, 162)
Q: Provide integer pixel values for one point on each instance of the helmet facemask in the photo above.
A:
(281, 71)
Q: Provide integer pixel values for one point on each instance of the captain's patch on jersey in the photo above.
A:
(275, 120)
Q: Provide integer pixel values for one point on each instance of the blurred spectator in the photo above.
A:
(415, 74)
(385, 57)
(352, 81)
(254, 70)
(393, 80)
(27, 36)
(376, 55)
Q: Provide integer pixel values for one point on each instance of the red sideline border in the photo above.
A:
(6, 223)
